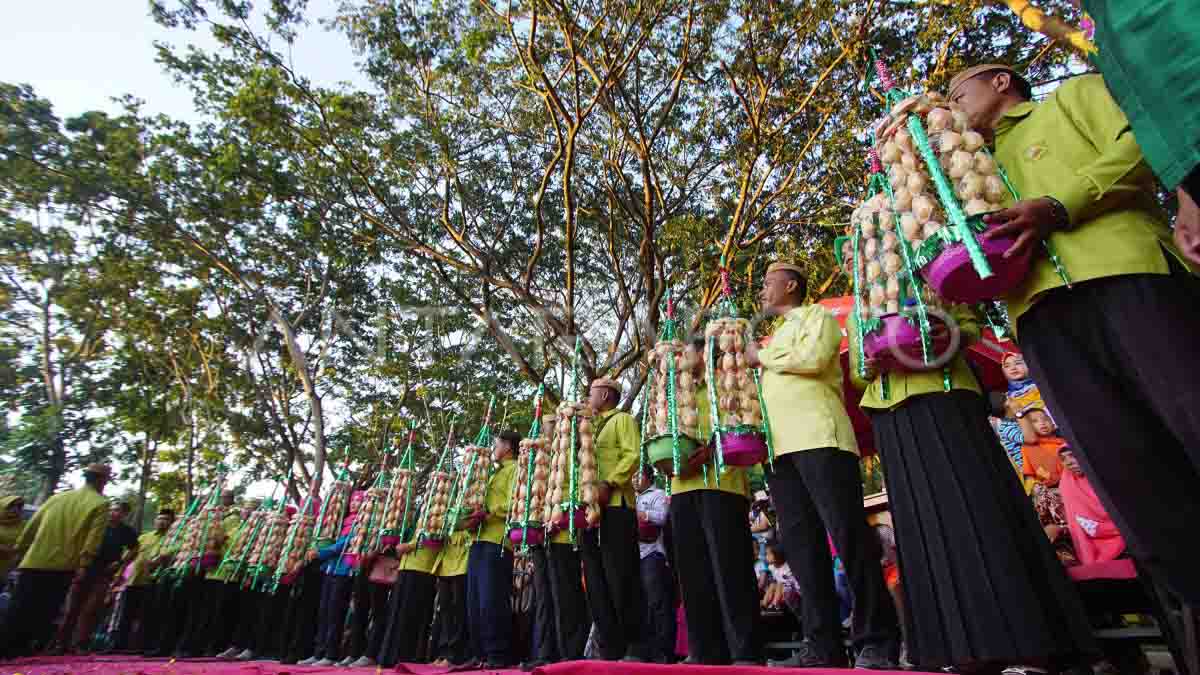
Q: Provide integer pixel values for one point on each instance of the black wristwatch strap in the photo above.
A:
(1062, 219)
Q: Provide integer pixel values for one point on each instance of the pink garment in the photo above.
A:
(1093, 532)
(681, 640)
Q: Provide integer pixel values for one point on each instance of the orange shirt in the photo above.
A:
(1041, 460)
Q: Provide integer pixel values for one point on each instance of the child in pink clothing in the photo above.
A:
(1093, 532)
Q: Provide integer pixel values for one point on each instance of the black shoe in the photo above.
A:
(288, 661)
(495, 662)
(807, 656)
(530, 666)
(693, 661)
(181, 655)
(632, 657)
(877, 656)
(747, 663)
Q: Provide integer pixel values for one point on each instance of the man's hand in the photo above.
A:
(752, 354)
(311, 555)
(604, 493)
(871, 368)
(643, 517)
(696, 462)
(405, 549)
(1187, 227)
(1029, 220)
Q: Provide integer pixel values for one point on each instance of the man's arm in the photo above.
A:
(629, 441)
(803, 347)
(94, 524)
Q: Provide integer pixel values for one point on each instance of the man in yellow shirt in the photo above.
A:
(1116, 354)
(59, 542)
(815, 482)
(150, 552)
(204, 592)
(490, 563)
(611, 563)
(711, 537)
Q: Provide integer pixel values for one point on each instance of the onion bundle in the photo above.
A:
(297, 540)
(582, 456)
(203, 536)
(399, 498)
(331, 516)
(247, 539)
(735, 389)
(267, 548)
(881, 265)
(432, 523)
(367, 522)
(477, 463)
(671, 355)
(533, 485)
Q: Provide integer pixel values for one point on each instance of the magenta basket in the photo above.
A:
(743, 447)
(953, 277)
(431, 544)
(648, 532)
(897, 345)
(580, 520)
(534, 535)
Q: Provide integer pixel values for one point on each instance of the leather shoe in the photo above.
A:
(530, 666)
(807, 656)
(877, 656)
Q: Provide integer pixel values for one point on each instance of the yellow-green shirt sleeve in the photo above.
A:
(803, 346)
(93, 533)
(1120, 169)
(628, 439)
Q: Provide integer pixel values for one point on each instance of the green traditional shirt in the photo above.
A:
(1158, 90)
(802, 383)
(66, 531)
(618, 452)
(904, 385)
(499, 488)
(1076, 146)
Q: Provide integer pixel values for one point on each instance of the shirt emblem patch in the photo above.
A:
(1035, 152)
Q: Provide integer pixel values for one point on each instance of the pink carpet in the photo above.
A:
(127, 665)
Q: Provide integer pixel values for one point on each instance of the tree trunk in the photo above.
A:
(149, 450)
(58, 454)
(300, 363)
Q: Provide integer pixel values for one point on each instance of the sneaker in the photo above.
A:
(345, 663)
(1024, 670)
(877, 656)
(325, 663)
(806, 656)
(229, 654)
(310, 661)
(363, 662)
(245, 655)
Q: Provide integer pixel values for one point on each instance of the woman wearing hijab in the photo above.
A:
(335, 591)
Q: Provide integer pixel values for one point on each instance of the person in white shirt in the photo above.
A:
(657, 581)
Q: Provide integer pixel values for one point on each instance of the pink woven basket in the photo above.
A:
(743, 448)
(534, 536)
(953, 277)
(897, 345)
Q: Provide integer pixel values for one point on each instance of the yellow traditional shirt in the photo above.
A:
(10, 532)
(1077, 147)
(66, 531)
(733, 478)
(903, 385)
(499, 489)
(452, 559)
(151, 545)
(421, 560)
(802, 383)
(618, 452)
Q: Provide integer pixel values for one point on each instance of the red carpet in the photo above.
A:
(126, 665)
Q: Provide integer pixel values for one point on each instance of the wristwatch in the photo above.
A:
(1062, 219)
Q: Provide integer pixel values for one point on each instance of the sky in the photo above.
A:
(80, 54)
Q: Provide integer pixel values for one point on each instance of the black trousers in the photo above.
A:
(1118, 362)
(36, 599)
(614, 585)
(272, 624)
(227, 615)
(303, 613)
(203, 599)
(658, 587)
(370, 605)
(489, 601)
(545, 635)
(245, 632)
(165, 617)
(453, 642)
(335, 601)
(572, 620)
(715, 563)
(410, 612)
(818, 491)
(134, 613)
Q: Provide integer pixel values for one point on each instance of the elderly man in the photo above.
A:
(610, 551)
(815, 481)
(1116, 354)
(60, 542)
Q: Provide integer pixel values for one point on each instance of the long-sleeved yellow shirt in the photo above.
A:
(499, 489)
(151, 545)
(618, 451)
(904, 385)
(802, 383)
(420, 560)
(733, 478)
(452, 559)
(66, 531)
(1077, 147)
